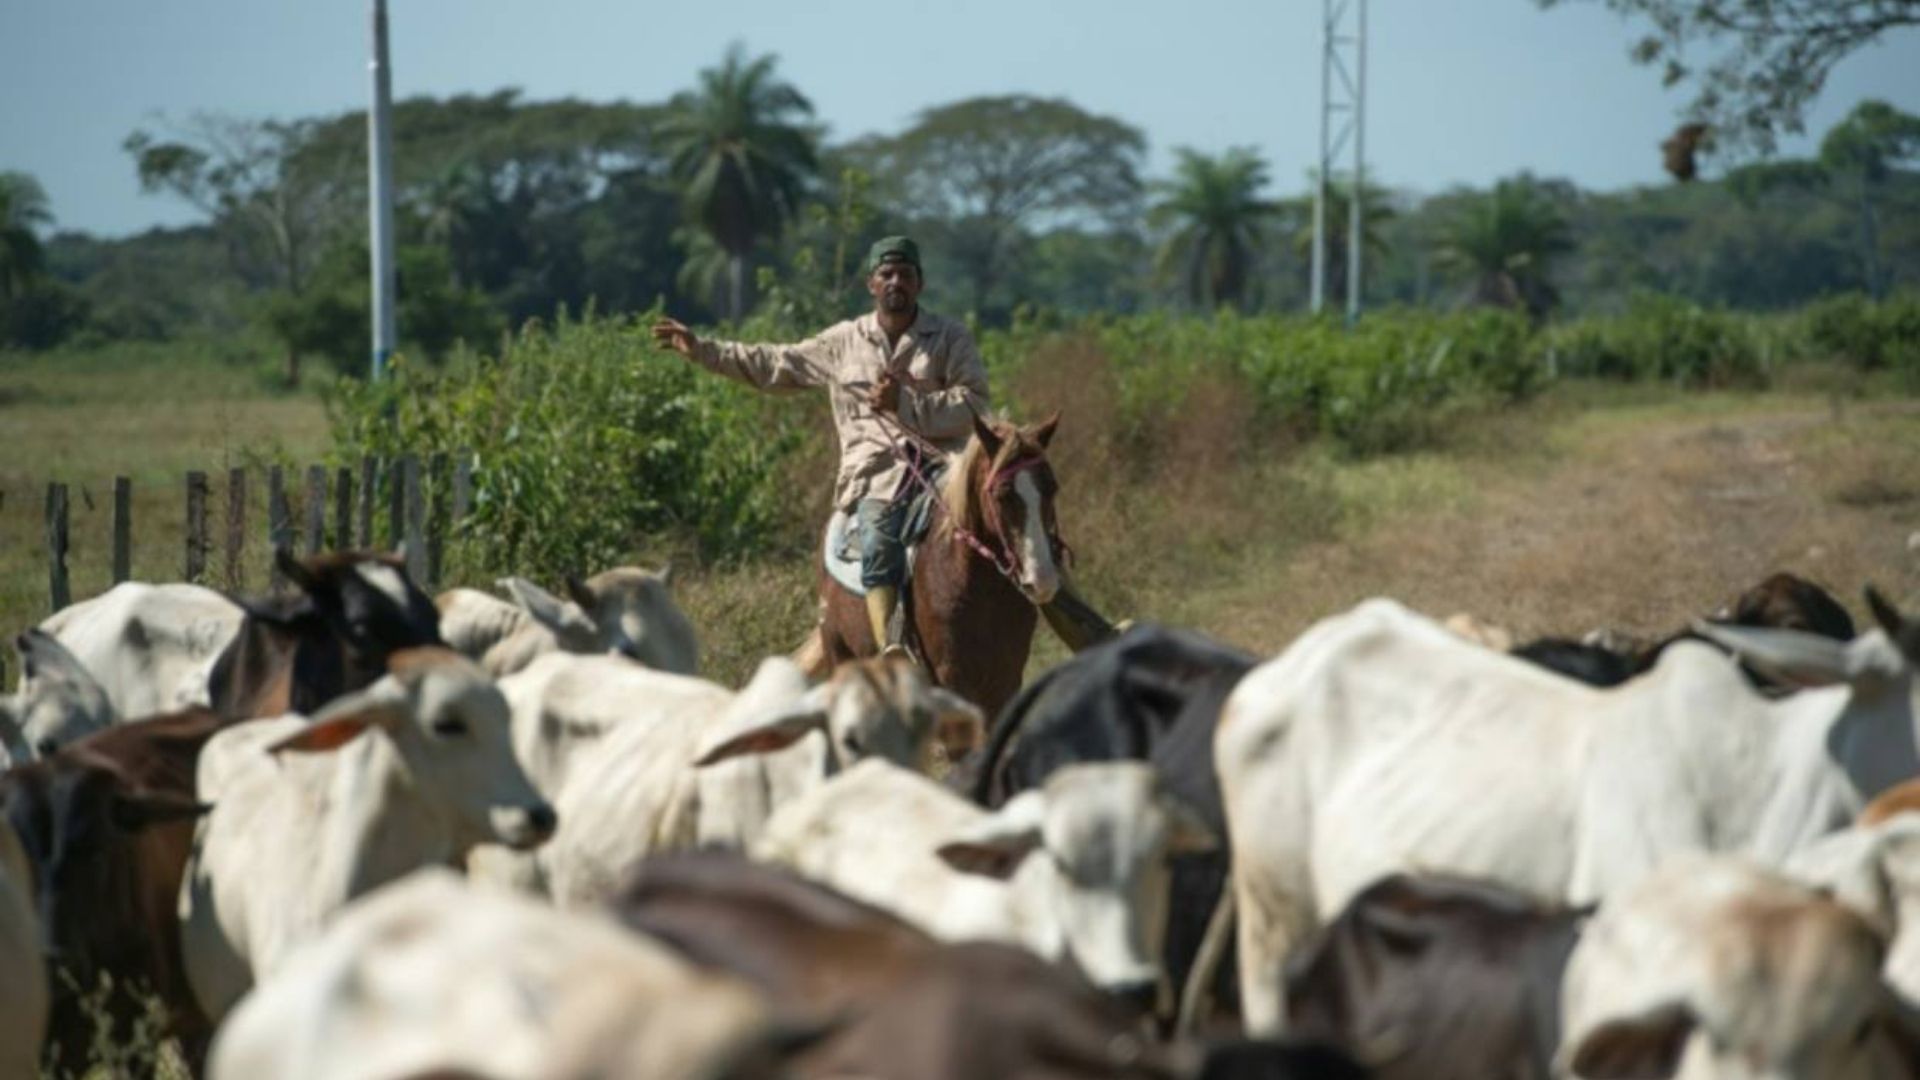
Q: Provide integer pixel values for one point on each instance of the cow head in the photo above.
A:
(450, 726)
(1876, 872)
(80, 820)
(59, 699)
(882, 708)
(626, 611)
(1106, 831)
(1878, 735)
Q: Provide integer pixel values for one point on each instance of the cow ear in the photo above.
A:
(983, 431)
(958, 724)
(770, 735)
(1790, 656)
(578, 592)
(293, 569)
(343, 719)
(996, 845)
(133, 811)
(540, 605)
(1044, 433)
(43, 658)
(1643, 1047)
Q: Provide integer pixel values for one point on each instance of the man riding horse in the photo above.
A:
(898, 378)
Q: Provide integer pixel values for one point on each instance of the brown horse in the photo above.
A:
(972, 611)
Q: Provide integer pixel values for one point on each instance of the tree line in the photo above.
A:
(731, 198)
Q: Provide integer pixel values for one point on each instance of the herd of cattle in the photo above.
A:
(348, 830)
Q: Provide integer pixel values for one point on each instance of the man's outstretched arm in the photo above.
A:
(763, 366)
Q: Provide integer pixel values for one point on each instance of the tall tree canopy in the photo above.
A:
(1504, 241)
(1766, 59)
(1217, 222)
(741, 146)
(23, 212)
(985, 173)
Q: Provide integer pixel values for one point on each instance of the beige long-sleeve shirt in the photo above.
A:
(941, 376)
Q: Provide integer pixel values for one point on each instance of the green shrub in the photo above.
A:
(589, 448)
(1661, 338)
(1868, 334)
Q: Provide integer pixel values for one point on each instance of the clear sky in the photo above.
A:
(1460, 91)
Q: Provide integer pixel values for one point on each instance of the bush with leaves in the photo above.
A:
(1865, 333)
(1662, 338)
(589, 447)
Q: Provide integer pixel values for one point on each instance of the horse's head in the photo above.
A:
(1008, 502)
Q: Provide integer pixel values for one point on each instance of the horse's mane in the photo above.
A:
(957, 485)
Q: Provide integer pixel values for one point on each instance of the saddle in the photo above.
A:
(840, 546)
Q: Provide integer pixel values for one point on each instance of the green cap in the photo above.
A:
(893, 249)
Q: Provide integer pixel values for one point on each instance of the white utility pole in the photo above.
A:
(380, 192)
(1343, 69)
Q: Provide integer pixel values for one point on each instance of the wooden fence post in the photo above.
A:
(316, 508)
(437, 482)
(397, 500)
(236, 529)
(343, 508)
(122, 529)
(369, 474)
(197, 544)
(462, 486)
(59, 589)
(279, 520)
(415, 534)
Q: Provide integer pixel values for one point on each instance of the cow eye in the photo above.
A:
(452, 725)
(852, 743)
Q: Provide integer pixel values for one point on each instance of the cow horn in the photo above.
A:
(1904, 632)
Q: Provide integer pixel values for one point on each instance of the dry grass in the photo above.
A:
(152, 424)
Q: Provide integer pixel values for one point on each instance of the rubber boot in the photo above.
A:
(881, 600)
(1075, 621)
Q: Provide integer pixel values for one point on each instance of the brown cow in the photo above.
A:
(107, 823)
(1440, 977)
(911, 1007)
(294, 653)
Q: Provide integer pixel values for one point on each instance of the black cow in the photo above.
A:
(1783, 601)
(1437, 979)
(348, 612)
(1153, 694)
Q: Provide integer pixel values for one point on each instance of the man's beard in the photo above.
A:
(896, 301)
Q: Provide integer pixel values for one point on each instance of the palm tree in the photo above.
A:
(23, 209)
(1505, 240)
(1217, 217)
(739, 147)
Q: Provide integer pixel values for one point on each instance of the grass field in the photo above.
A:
(1630, 507)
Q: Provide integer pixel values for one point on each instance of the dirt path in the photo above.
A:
(1637, 520)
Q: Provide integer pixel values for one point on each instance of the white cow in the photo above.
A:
(23, 977)
(686, 764)
(1380, 742)
(1074, 870)
(412, 771)
(150, 646)
(1712, 968)
(1876, 871)
(59, 700)
(431, 976)
(626, 611)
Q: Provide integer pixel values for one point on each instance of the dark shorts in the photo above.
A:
(883, 557)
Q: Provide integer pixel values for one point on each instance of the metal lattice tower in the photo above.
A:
(1343, 108)
(380, 191)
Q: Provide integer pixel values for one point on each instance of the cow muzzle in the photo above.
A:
(523, 828)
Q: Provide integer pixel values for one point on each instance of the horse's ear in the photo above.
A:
(1044, 433)
(984, 432)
